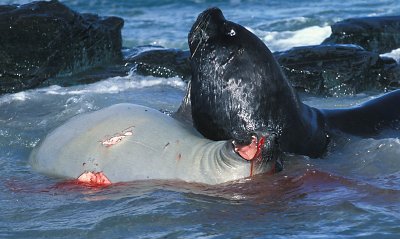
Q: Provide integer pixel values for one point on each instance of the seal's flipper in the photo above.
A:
(369, 118)
(94, 179)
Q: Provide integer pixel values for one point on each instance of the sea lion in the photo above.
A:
(238, 88)
(127, 142)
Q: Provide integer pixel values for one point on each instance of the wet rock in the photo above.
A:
(377, 34)
(143, 60)
(46, 39)
(160, 62)
(331, 70)
(337, 69)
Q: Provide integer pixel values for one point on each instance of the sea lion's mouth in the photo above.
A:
(250, 151)
(262, 149)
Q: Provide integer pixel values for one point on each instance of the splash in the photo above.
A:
(395, 54)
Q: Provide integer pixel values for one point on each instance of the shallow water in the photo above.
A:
(354, 191)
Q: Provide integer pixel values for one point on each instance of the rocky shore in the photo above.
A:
(42, 39)
(45, 43)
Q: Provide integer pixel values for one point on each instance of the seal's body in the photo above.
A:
(127, 142)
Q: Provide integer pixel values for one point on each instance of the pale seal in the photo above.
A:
(127, 142)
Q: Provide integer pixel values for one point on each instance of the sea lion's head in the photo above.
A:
(237, 86)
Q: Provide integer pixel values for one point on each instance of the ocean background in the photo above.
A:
(353, 192)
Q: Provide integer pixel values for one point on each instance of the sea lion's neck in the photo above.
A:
(301, 128)
(304, 132)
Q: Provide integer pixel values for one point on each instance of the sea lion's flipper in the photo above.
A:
(369, 118)
(184, 113)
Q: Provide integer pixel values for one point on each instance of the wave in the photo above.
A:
(284, 40)
(108, 86)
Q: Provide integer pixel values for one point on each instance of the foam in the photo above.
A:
(281, 41)
(109, 86)
(116, 85)
(395, 54)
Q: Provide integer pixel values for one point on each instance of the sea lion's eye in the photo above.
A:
(229, 29)
(231, 33)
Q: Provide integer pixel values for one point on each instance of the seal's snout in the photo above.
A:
(94, 179)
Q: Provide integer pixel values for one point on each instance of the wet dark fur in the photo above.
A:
(238, 88)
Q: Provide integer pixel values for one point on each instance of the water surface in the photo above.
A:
(354, 191)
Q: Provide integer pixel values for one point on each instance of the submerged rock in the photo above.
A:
(377, 34)
(46, 39)
(337, 69)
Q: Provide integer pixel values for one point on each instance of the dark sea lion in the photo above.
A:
(238, 89)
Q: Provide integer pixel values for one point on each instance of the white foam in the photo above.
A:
(119, 84)
(20, 96)
(108, 86)
(395, 54)
(281, 41)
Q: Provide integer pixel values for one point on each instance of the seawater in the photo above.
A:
(353, 192)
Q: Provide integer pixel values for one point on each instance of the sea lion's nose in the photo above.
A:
(213, 14)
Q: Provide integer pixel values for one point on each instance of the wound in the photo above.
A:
(117, 138)
(179, 157)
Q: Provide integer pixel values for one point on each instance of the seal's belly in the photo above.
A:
(125, 142)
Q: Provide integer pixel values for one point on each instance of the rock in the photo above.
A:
(337, 69)
(143, 60)
(46, 39)
(331, 70)
(377, 34)
(160, 62)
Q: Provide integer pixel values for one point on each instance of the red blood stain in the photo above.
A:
(94, 178)
(257, 156)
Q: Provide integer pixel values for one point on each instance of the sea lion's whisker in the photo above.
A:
(202, 34)
(197, 47)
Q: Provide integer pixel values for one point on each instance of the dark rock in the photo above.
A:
(46, 39)
(89, 76)
(160, 62)
(143, 60)
(331, 70)
(377, 34)
(337, 69)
